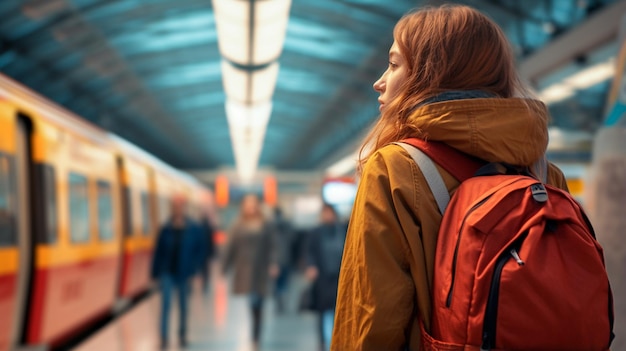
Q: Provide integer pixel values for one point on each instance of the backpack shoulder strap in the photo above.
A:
(461, 166)
(430, 172)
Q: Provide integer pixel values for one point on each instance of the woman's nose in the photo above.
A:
(379, 85)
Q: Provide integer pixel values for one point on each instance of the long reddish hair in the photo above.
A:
(446, 48)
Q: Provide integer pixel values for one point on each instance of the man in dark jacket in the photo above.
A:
(177, 257)
(206, 228)
(284, 241)
(323, 255)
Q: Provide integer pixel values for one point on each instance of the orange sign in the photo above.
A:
(270, 191)
(221, 191)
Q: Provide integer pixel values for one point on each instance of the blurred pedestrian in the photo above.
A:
(324, 252)
(284, 236)
(207, 229)
(177, 256)
(252, 254)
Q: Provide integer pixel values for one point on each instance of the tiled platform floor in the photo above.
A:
(218, 322)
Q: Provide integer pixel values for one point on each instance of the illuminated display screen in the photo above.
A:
(341, 195)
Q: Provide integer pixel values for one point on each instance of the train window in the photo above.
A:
(7, 201)
(50, 180)
(79, 208)
(45, 203)
(145, 213)
(164, 209)
(105, 211)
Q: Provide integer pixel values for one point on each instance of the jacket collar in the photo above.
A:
(511, 130)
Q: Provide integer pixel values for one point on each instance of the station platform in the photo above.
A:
(218, 321)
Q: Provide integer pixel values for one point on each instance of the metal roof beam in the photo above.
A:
(311, 178)
(151, 11)
(600, 28)
(90, 97)
(517, 11)
(188, 54)
(53, 74)
(56, 19)
(187, 89)
(328, 120)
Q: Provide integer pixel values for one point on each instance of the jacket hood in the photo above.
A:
(511, 130)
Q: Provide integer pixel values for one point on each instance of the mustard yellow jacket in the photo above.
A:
(387, 268)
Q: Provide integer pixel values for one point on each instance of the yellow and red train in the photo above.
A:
(79, 211)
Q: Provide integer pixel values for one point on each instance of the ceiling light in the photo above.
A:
(555, 93)
(247, 125)
(580, 80)
(249, 86)
(568, 139)
(251, 35)
(593, 75)
(241, 115)
(251, 32)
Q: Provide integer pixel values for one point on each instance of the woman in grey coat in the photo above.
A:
(251, 253)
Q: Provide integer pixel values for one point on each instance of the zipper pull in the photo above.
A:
(516, 257)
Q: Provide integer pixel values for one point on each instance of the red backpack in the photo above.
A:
(517, 265)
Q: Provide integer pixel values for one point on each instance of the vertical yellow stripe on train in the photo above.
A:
(8, 260)
(7, 127)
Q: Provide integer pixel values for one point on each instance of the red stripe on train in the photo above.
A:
(68, 298)
(36, 306)
(8, 290)
(136, 272)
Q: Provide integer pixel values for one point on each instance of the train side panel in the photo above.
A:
(77, 254)
(137, 180)
(9, 255)
(80, 248)
(164, 188)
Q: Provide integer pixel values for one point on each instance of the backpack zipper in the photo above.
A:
(515, 255)
(491, 312)
(456, 248)
(458, 241)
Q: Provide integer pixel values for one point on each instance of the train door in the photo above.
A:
(24, 240)
(9, 217)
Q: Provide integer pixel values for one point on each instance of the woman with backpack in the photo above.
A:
(451, 80)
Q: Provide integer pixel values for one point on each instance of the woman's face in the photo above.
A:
(250, 206)
(388, 85)
(327, 216)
